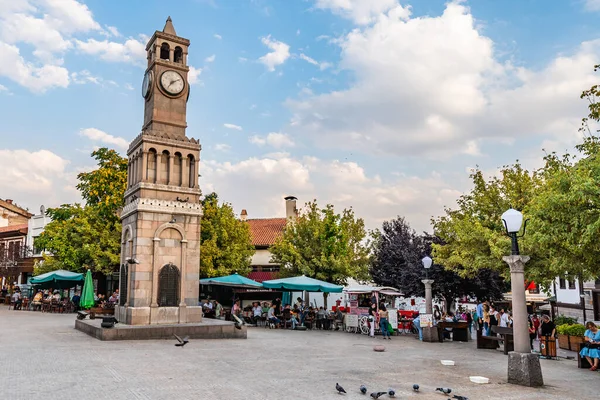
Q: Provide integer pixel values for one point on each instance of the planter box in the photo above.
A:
(568, 342)
(563, 342)
(574, 342)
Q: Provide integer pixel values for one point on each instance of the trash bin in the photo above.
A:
(548, 346)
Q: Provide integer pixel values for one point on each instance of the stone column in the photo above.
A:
(155, 267)
(523, 367)
(172, 54)
(170, 180)
(129, 174)
(429, 334)
(144, 166)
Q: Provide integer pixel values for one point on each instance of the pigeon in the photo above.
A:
(182, 342)
(391, 392)
(443, 390)
(363, 389)
(377, 395)
(238, 321)
(416, 387)
(339, 388)
(457, 397)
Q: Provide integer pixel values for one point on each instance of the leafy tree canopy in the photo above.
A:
(89, 236)
(397, 254)
(323, 245)
(225, 245)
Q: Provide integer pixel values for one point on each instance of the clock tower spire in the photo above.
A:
(165, 87)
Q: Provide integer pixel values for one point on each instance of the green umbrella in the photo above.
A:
(59, 279)
(87, 294)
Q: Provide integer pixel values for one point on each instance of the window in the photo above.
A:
(168, 286)
(562, 283)
(178, 55)
(165, 51)
(124, 276)
(572, 284)
(2, 251)
(36, 248)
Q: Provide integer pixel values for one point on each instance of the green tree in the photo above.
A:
(473, 235)
(225, 242)
(565, 213)
(88, 237)
(323, 245)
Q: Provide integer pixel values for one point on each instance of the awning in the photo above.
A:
(234, 280)
(59, 279)
(300, 283)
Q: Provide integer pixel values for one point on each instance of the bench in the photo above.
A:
(460, 330)
(582, 362)
(100, 311)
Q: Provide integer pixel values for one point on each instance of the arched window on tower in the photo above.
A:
(177, 177)
(192, 171)
(178, 55)
(151, 168)
(165, 51)
(168, 286)
(164, 168)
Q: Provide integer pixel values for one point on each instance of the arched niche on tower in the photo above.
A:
(178, 55)
(163, 175)
(165, 51)
(151, 167)
(177, 178)
(191, 170)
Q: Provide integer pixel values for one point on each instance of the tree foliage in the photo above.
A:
(89, 236)
(225, 243)
(323, 245)
(396, 261)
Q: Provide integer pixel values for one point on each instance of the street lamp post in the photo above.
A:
(523, 366)
(429, 333)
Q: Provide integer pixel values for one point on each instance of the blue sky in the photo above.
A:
(382, 105)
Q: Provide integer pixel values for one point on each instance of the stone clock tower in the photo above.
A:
(160, 242)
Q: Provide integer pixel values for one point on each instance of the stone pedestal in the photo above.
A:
(430, 334)
(524, 369)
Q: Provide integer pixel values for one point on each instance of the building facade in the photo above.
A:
(13, 243)
(576, 299)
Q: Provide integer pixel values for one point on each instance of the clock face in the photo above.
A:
(147, 84)
(172, 82)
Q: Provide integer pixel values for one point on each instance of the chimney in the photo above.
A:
(291, 212)
(244, 215)
(9, 201)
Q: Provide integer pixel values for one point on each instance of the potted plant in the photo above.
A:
(563, 336)
(575, 333)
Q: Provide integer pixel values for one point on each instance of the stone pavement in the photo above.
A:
(44, 357)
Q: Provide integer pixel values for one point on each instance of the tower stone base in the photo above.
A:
(524, 369)
(158, 315)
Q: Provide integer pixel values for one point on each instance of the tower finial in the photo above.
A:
(169, 27)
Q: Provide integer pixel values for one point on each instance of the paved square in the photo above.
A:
(43, 356)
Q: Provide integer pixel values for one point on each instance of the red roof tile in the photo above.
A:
(265, 231)
(260, 276)
(14, 228)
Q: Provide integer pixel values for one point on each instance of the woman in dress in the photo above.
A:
(592, 340)
(532, 331)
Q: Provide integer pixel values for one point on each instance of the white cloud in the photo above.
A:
(222, 147)
(113, 31)
(405, 102)
(3, 88)
(85, 76)
(298, 32)
(97, 135)
(232, 126)
(279, 54)
(592, 5)
(267, 180)
(210, 59)
(217, 36)
(28, 175)
(362, 12)
(273, 139)
(193, 75)
(36, 79)
(132, 51)
(322, 65)
(128, 86)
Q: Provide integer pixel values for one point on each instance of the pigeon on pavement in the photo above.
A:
(377, 395)
(444, 390)
(339, 388)
(363, 389)
(416, 387)
(391, 392)
(182, 342)
(457, 397)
